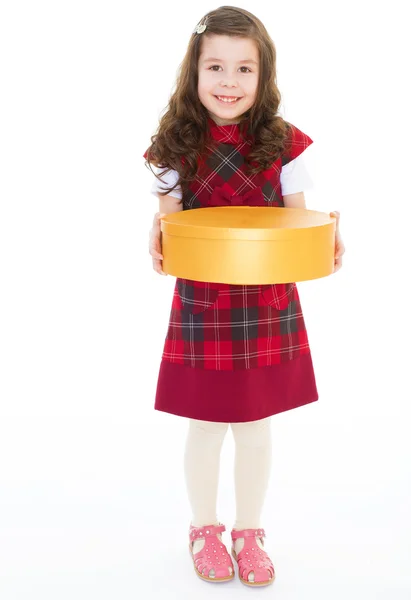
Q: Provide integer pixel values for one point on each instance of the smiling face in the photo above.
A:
(227, 67)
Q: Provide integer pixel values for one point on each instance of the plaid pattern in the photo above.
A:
(235, 327)
(232, 327)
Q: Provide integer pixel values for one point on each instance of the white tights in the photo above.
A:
(253, 456)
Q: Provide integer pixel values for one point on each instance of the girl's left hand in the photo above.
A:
(339, 247)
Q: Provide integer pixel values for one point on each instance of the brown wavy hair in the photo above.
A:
(183, 129)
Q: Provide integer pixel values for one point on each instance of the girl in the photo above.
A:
(233, 354)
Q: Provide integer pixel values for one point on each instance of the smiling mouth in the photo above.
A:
(227, 99)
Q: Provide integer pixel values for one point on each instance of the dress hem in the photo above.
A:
(235, 396)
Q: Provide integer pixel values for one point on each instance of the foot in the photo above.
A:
(199, 544)
(253, 553)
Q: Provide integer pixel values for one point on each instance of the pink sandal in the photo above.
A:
(252, 558)
(214, 555)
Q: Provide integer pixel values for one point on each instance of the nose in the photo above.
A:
(229, 80)
(229, 83)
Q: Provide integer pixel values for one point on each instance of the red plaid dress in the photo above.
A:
(235, 353)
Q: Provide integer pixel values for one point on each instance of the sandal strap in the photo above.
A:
(243, 533)
(205, 531)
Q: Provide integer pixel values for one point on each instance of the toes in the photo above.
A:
(221, 572)
(267, 576)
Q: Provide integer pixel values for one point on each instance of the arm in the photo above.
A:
(294, 178)
(339, 247)
(294, 200)
(167, 204)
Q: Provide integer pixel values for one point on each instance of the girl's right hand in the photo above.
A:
(155, 244)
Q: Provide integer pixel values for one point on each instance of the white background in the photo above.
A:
(92, 494)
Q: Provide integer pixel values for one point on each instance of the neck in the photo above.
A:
(222, 122)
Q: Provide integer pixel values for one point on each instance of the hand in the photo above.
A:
(339, 247)
(155, 244)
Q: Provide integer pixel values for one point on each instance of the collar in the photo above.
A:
(225, 134)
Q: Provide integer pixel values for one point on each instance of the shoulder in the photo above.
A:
(297, 142)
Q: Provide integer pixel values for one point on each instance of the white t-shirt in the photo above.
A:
(294, 177)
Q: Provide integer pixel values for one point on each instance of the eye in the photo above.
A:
(212, 68)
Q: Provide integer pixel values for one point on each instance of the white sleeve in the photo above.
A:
(169, 180)
(295, 176)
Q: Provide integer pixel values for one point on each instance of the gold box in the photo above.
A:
(248, 245)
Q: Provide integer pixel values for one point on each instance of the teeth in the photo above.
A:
(227, 99)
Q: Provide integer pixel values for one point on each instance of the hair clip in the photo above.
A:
(201, 27)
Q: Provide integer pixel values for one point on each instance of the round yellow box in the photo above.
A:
(248, 245)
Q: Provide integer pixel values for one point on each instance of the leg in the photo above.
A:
(202, 469)
(253, 458)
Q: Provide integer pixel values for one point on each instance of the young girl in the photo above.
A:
(234, 354)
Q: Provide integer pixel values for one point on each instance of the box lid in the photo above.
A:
(247, 223)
